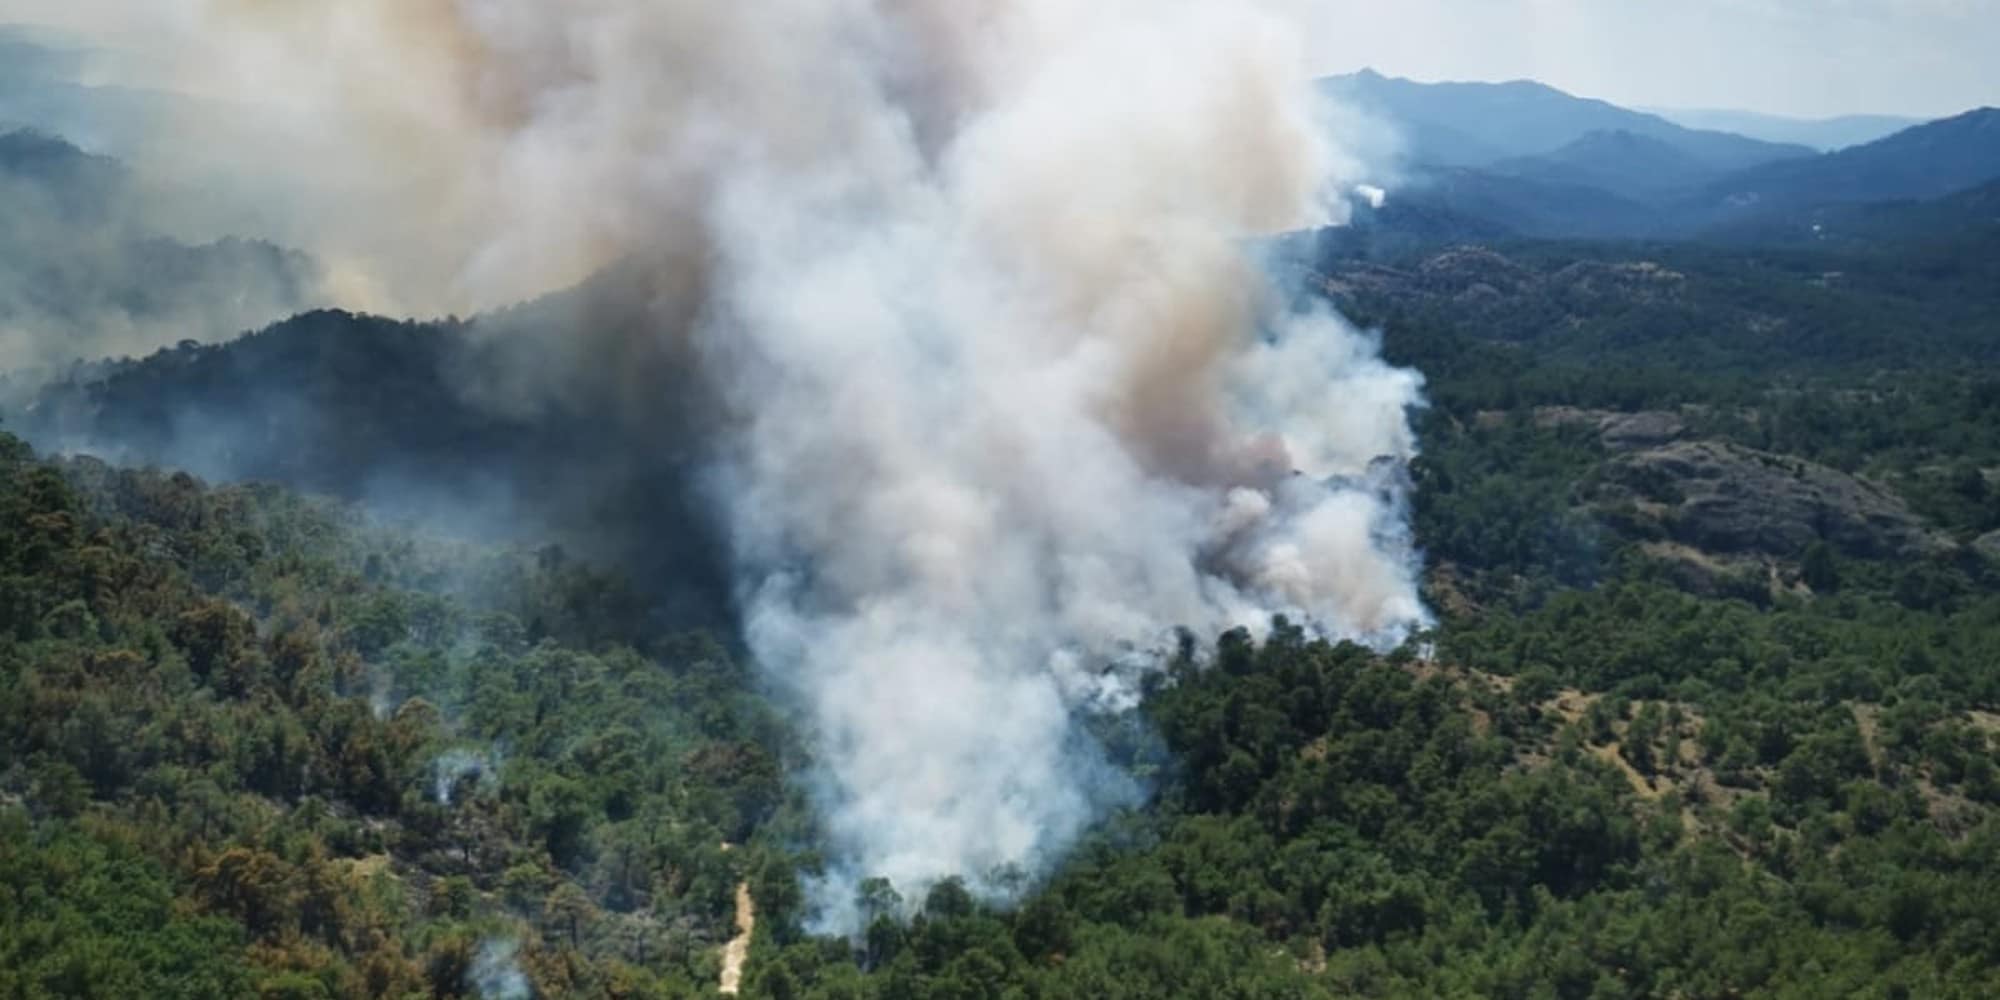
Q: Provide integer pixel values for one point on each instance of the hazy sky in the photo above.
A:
(1796, 57)
(1799, 57)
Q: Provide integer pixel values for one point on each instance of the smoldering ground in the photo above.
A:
(947, 323)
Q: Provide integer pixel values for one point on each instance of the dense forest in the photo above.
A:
(255, 746)
(1711, 707)
(346, 655)
(1665, 740)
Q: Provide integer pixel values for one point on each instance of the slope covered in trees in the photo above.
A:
(1710, 710)
(224, 782)
(255, 746)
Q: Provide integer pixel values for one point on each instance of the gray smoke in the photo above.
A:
(999, 396)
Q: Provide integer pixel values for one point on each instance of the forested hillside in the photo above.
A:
(1539, 163)
(786, 535)
(1711, 709)
(255, 746)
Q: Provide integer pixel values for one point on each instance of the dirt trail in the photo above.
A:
(738, 947)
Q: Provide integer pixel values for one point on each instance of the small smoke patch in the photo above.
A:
(461, 768)
(496, 972)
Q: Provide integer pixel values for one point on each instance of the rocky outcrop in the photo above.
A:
(1632, 281)
(1619, 431)
(1723, 498)
(1465, 268)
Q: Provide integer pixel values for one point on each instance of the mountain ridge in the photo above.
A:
(1824, 134)
(1928, 161)
(1525, 118)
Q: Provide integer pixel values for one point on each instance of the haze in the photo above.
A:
(1807, 58)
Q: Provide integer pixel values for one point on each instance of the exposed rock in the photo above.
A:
(1362, 276)
(1620, 431)
(1723, 498)
(1646, 429)
(1641, 281)
(1461, 269)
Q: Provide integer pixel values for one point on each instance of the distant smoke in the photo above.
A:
(999, 397)
(82, 277)
(460, 764)
(496, 972)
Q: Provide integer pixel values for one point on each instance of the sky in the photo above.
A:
(1803, 58)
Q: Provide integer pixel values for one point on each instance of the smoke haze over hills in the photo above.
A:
(994, 398)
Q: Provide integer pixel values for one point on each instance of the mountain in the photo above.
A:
(1961, 221)
(1929, 161)
(1620, 162)
(43, 86)
(1526, 205)
(1710, 535)
(1692, 665)
(41, 172)
(426, 422)
(1825, 134)
(1477, 124)
(81, 277)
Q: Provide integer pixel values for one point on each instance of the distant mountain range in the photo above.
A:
(1624, 163)
(1477, 124)
(1824, 134)
(1928, 161)
(1530, 160)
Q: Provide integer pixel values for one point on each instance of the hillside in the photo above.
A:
(1476, 124)
(1928, 161)
(393, 413)
(1527, 159)
(535, 654)
(1705, 310)
(1663, 740)
(1531, 204)
(256, 745)
(1968, 220)
(81, 278)
(1620, 162)
(1822, 134)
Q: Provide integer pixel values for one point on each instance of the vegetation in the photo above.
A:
(255, 744)
(249, 749)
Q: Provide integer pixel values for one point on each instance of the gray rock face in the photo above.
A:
(1728, 499)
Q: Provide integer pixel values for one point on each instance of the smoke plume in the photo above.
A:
(998, 395)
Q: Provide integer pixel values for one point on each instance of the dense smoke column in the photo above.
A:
(1014, 405)
(999, 398)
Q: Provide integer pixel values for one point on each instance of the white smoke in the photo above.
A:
(496, 972)
(463, 764)
(1005, 398)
